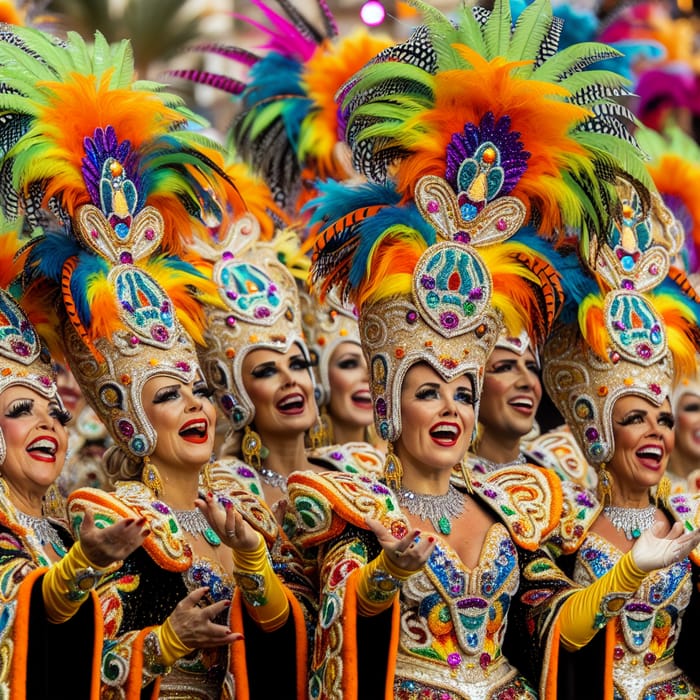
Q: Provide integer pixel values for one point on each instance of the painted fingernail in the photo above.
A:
(431, 539)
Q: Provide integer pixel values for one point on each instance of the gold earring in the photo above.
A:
(393, 469)
(151, 477)
(605, 485)
(320, 431)
(466, 474)
(663, 491)
(252, 448)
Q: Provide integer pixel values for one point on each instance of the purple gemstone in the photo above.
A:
(592, 434)
(620, 326)
(379, 488)
(644, 351)
(427, 282)
(245, 472)
(449, 320)
(127, 307)
(476, 293)
(230, 321)
(489, 493)
(433, 207)
(20, 348)
(627, 284)
(227, 255)
(227, 402)
(232, 295)
(583, 499)
(184, 366)
(161, 507)
(125, 428)
(380, 407)
(126, 258)
(272, 289)
(261, 312)
(150, 234)
(639, 607)
(454, 659)
(336, 455)
(159, 333)
(411, 316)
(683, 509)
(462, 237)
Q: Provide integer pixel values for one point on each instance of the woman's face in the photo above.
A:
(512, 393)
(35, 438)
(70, 392)
(437, 419)
(280, 386)
(184, 419)
(644, 439)
(687, 428)
(351, 402)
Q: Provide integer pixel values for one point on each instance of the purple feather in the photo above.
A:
(215, 80)
(234, 53)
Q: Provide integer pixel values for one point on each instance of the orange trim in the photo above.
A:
(238, 664)
(114, 505)
(301, 643)
(550, 684)
(557, 498)
(393, 648)
(133, 685)
(20, 634)
(348, 653)
(99, 633)
(608, 686)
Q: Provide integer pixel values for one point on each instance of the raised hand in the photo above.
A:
(409, 553)
(195, 626)
(104, 546)
(228, 523)
(651, 551)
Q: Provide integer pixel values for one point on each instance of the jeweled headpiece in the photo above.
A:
(634, 324)
(442, 245)
(24, 358)
(111, 160)
(258, 308)
(327, 324)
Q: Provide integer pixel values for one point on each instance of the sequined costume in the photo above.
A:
(444, 636)
(146, 589)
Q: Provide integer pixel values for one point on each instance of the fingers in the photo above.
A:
(193, 599)
(676, 531)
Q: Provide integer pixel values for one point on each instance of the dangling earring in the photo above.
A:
(320, 431)
(663, 491)
(151, 477)
(605, 484)
(252, 448)
(393, 469)
(466, 474)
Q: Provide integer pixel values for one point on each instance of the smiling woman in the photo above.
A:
(47, 602)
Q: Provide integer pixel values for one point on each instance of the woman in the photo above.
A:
(612, 380)
(128, 177)
(683, 463)
(46, 578)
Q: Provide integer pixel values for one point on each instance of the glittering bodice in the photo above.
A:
(201, 675)
(453, 621)
(647, 628)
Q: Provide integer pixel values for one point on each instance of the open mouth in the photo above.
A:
(196, 431)
(650, 456)
(524, 404)
(362, 399)
(292, 404)
(445, 434)
(43, 449)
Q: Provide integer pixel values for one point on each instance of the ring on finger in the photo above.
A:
(230, 533)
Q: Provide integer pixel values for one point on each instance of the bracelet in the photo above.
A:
(382, 586)
(610, 607)
(84, 581)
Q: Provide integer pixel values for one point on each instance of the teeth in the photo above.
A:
(652, 452)
(44, 446)
(525, 403)
(449, 429)
(291, 402)
(199, 427)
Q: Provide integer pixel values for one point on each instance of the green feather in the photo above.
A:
(583, 81)
(565, 61)
(497, 30)
(530, 30)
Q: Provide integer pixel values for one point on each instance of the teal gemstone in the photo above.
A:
(211, 537)
(444, 525)
(636, 533)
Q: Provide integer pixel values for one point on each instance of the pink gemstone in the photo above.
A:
(150, 234)
(94, 233)
(501, 224)
(433, 207)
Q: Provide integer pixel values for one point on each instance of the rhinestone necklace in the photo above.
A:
(439, 510)
(631, 521)
(194, 522)
(43, 531)
(273, 478)
(490, 466)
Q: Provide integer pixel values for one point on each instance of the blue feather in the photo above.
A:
(49, 254)
(89, 267)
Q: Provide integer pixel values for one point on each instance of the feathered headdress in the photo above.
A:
(636, 321)
(287, 127)
(128, 183)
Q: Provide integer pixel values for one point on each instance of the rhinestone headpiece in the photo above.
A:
(585, 380)
(260, 310)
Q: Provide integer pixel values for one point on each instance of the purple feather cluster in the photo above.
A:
(463, 146)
